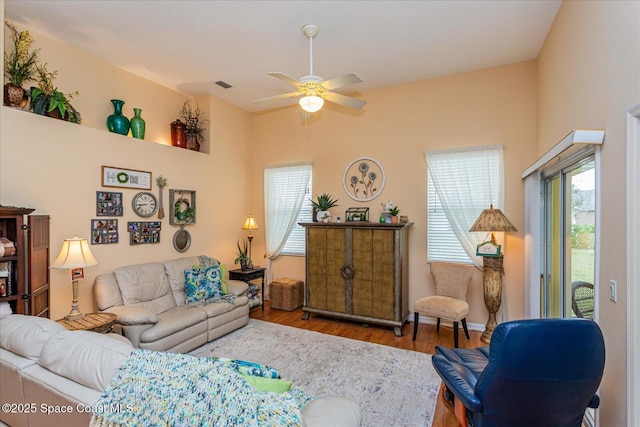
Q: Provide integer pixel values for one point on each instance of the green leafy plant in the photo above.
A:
(47, 99)
(182, 211)
(243, 254)
(394, 211)
(20, 64)
(194, 122)
(324, 202)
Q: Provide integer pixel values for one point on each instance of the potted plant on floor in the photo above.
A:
(47, 100)
(243, 256)
(321, 206)
(19, 66)
(194, 125)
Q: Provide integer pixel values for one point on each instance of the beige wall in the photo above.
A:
(55, 166)
(397, 126)
(589, 75)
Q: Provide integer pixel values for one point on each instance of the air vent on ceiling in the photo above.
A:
(222, 84)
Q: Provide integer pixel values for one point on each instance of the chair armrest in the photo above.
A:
(457, 377)
(236, 287)
(133, 315)
(595, 402)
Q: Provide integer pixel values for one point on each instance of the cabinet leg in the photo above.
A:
(305, 316)
(397, 330)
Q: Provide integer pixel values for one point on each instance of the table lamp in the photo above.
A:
(491, 220)
(75, 255)
(250, 224)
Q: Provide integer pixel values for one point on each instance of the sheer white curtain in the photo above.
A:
(284, 193)
(467, 180)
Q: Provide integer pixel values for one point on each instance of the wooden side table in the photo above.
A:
(94, 322)
(249, 275)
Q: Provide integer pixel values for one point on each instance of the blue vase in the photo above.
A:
(116, 122)
(137, 124)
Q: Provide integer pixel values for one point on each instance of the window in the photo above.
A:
(287, 195)
(461, 183)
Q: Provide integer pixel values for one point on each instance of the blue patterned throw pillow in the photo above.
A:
(202, 284)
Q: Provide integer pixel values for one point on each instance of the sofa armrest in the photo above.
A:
(236, 287)
(128, 315)
(459, 380)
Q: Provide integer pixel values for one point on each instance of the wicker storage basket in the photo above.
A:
(286, 294)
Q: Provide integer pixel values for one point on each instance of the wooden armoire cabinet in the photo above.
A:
(358, 271)
(24, 271)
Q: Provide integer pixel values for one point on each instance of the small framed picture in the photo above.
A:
(77, 273)
(488, 249)
(104, 231)
(182, 207)
(108, 203)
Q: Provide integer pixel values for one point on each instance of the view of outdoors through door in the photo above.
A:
(570, 225)
(570, 242)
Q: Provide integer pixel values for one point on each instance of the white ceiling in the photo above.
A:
(188, 45)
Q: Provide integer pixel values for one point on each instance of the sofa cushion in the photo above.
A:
(26, 335)
(106, 291)
(172, 321)
(145, 285)
(175, 273)
(133, 315)
(202, 284)
(85, 357)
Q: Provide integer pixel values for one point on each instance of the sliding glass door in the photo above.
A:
(567, 285)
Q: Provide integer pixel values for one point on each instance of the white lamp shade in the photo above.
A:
(75, 253)
(311, 103)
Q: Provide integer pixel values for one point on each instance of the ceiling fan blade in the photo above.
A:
(338, 82)
(347, 101)
(286, 78)
(276, 97)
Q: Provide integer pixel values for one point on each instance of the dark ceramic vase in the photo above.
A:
(116, 122)
(137, 124)
(178, 137)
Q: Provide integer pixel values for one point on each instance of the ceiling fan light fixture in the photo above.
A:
(311, 103)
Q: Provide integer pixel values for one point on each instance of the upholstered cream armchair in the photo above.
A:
(450, 300)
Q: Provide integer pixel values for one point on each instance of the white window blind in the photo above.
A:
(461, 183)
(287, 202)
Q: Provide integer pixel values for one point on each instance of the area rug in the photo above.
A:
(394, 387)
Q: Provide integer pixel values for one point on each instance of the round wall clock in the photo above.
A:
(144, 204)
(363, 179)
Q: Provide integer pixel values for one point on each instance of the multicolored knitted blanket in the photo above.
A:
(167, 389)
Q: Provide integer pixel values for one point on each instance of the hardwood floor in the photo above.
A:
(426, 341)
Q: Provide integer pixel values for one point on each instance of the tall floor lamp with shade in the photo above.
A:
(492, 220)
(250, 224)
(75, 255)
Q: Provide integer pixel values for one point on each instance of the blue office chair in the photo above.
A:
(538, 373)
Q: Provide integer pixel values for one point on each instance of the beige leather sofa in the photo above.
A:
(149, 300)
(53, 377)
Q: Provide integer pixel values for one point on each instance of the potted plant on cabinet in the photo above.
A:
(47, 100)
(194, 125)
(19, 66)
(394, 211)
(321, 206)
(243, 257)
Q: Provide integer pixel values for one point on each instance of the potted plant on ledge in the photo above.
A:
(19, 66)
(47, 100)
(321, 207)
(394, 211)
(194, 125)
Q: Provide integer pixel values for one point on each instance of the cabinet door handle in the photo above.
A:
(347, 272)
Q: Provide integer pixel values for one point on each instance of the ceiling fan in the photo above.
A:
(314, 90)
